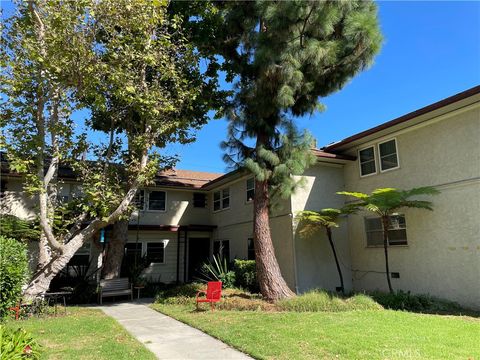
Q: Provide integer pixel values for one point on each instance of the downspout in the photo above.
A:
(295, 275)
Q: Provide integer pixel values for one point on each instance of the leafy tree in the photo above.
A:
(284, 56)
(193, 37)
(127, 59)
(384, 202)
(311, 221)
(19, 229)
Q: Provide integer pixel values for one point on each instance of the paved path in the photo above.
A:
(168, 338)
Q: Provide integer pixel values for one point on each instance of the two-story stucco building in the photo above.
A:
(188, 216)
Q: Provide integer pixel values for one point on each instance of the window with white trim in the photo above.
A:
(221, 199)
(157, 200)
(367, 161)
(156, 252)
(397, 231)
(388, 155)
(250, 189)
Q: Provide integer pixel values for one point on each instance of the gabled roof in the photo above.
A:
(343, 144)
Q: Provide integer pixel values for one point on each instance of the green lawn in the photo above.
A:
(383, 334)
(83, 334)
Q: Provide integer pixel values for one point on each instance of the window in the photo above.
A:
(250, 189)
(388, 155)
(132, 250)
(156, 252)
(139, 200)
(222, 248)
(251, 249)
(81, 257)
(397, 232)
(221, 199)
(367, 161)
(157, 200)
(199, 200)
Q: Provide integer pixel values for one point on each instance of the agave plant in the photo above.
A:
(218, 270)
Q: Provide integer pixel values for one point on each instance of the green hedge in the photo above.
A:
(246, 275)
(13, 272)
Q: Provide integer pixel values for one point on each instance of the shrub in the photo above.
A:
(17, 344)
(246, 275)
(402, 300)
(184, 290)
(13, 272)
(320, 300)
(218, 270)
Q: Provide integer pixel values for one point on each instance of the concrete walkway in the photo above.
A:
(168, 338)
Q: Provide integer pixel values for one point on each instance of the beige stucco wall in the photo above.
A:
(236, 225)
(314, 259)
(443, 252)
(179, 210)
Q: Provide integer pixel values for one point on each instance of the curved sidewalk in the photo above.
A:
(168, 338)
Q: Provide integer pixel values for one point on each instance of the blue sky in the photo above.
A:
(431, 50)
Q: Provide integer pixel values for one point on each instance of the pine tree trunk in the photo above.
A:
(115, 250)
(40, 282)
(329, 234)
(385, 247)
(272, 285)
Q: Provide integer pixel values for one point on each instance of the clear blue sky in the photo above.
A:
(431, 51)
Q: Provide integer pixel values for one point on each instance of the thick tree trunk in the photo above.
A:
(44, 252)
(272, 285)
(385, 247)
(332, 245)
(115, 250)
(40, 282)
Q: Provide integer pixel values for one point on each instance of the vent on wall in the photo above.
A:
(395, 275)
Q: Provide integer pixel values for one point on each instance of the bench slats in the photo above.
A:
(114, 287)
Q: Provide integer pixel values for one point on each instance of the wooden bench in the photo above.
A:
(115, 287)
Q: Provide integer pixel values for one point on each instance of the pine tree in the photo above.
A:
(284, 56)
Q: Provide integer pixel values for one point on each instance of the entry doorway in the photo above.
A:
(198, 253)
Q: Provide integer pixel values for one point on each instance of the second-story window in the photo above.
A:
(367, 161)
(250, 189)
(388, 155)
(221, 199)
(157, 200)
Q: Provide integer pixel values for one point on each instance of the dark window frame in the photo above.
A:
(154, 260)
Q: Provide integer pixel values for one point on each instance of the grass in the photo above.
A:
(83, 334)
(321, 325)
(360, 334)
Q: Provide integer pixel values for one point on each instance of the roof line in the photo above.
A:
(429, 108)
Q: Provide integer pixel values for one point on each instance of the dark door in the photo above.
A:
(198, 253)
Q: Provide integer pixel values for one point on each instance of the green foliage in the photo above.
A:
(218, 270)
(246, 275)
(423, 303)
(13, 272)
(286, 56)
(17, 344)
(18, 229)
(180, 291)
(320, 300)
(384, 201)
(311, 221)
